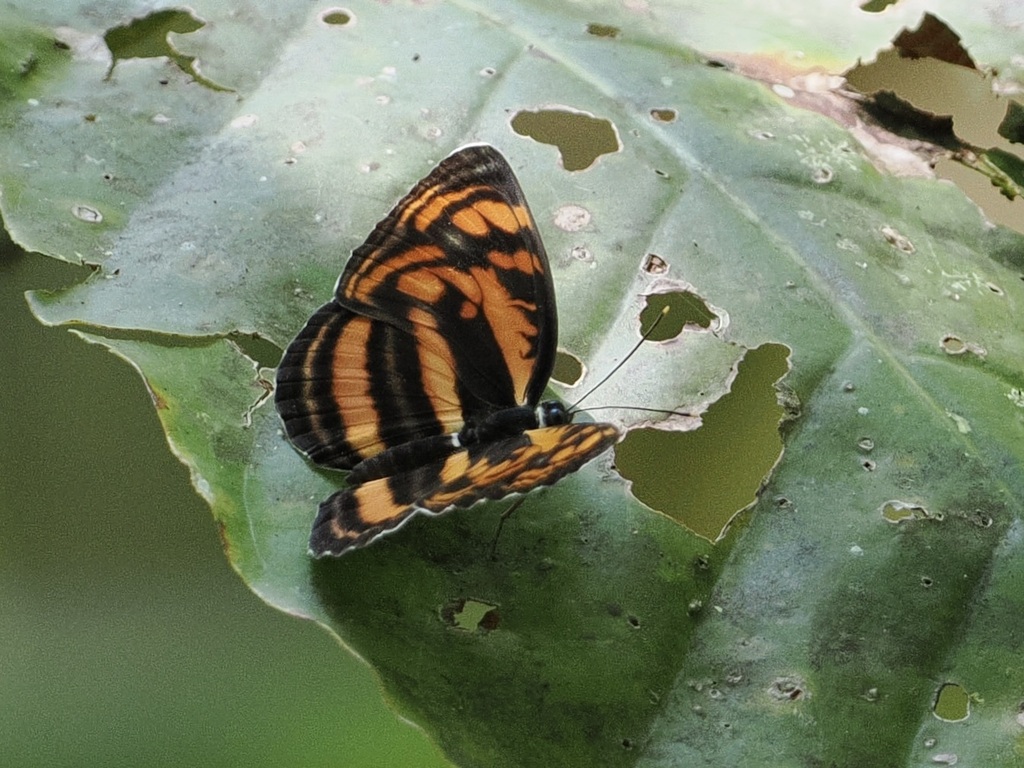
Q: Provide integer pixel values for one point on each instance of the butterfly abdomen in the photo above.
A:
(403, 458)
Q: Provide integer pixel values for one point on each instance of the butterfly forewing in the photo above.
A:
(458, 264)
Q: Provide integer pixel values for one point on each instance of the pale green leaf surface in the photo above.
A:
(817, 632)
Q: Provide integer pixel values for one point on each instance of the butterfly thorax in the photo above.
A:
(511, 421)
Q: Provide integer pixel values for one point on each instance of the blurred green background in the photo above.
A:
(125, 637)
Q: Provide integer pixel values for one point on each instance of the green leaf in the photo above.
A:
(817, 631)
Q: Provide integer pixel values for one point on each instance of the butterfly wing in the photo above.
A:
(356, 516)
(445, 314)
(458, 264)
(349, 387)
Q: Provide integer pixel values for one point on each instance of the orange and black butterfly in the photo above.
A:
(424, 374)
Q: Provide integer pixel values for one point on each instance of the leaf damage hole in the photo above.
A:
(469, 615)
(703, 478)
(266, 353)
(581, 138)
(928, 86)
(685, 310)
(952, 703)
(568, 369)
(653, 264)
(337, 17)
(876, 6)
(933, 39)
(663, 115)
(952, 344)
(981, 520)
(148, 37)
(896, 512)
(603, 30)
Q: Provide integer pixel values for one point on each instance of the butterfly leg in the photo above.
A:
(501, 522)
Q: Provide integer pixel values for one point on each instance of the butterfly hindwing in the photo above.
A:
(336, 390)
(356, 516)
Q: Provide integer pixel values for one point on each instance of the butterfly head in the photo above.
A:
(551, 413)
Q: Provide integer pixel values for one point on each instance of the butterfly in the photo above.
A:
(423, 375)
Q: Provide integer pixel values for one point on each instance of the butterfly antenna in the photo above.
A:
(646, 335)
(662, 411)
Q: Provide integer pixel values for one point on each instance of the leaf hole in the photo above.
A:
(876, 6)
(469, 615)
(896, 511)
(602, 30)
(581, 138)
(148, 37)
(739, 437)
(685, 309)
(337, 17)
(653, 264)
(952, 703)
(568, 369)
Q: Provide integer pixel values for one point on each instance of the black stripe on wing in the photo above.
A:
(349, 387)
